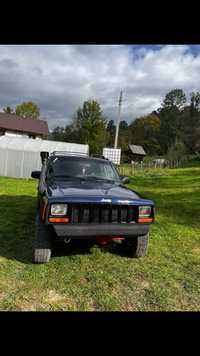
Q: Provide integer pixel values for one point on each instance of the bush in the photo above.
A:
(176, 151)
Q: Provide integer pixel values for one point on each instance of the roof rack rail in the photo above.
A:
(67, 153)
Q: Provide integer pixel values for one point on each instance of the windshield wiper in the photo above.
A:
(98, 178)
(85, 178)
(78, 177)
(64, 176)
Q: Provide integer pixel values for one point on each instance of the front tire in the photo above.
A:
(136, 246)
(42, 245)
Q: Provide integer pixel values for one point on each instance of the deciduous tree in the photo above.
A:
(90, 124)
(8, 110)
(28, 110)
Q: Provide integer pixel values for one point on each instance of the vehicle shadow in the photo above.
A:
(75, 247)
(78, 247)
(116, 249)
(17, 229)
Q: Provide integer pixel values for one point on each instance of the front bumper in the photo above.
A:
(77, 231)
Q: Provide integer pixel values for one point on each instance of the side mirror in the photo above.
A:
(35, 174)
(44, 155)
(124, 179)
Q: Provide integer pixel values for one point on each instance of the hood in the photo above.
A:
(94, 192)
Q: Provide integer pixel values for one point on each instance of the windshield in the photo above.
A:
(76, 167)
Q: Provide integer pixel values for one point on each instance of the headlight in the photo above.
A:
(144, 211)
(58, 209)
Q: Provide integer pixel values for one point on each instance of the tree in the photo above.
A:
(176, 151)
(123, 139)
(197, 141)
(195, 100)
(28, 110)
(191, 123)
(123, 134)
(90, 126)
(174, 99)
(67, 134)
(8, 110)
(58, 134)
(123, 125)
(170, 115)
(144, 131)
(111, 128)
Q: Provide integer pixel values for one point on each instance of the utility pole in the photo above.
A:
(118, 121)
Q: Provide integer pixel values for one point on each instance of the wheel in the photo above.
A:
(136, 246)
(42, 245)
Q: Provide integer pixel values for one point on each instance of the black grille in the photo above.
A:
(92, 213)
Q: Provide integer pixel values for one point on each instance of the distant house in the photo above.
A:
(13, 125)
(136, 153)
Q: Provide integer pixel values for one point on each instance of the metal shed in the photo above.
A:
(20, 156)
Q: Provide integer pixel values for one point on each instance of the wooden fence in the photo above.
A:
(129, 169)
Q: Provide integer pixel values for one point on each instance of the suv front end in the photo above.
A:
(84, 198)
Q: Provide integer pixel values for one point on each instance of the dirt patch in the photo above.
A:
(196, 250)
(2, 296)
(53, 296)
(83, 280)
(145, 284)
(48, 301)
(60, 300)
(28, 306)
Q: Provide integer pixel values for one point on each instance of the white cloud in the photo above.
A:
(60, 78)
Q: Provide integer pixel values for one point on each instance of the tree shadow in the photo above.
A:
(17, 229)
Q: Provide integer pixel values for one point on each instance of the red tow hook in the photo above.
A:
(104, 240)
(118, 238)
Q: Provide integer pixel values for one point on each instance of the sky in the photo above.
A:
(59, 78)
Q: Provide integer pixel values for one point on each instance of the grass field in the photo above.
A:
(167, 279)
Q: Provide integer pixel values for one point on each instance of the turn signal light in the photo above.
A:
(59, 220)
(145, 220)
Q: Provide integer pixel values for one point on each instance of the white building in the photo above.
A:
(19, 156)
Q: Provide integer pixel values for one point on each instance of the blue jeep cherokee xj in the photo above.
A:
(82, 197)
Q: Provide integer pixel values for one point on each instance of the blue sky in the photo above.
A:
(195, 49)
(60, 77)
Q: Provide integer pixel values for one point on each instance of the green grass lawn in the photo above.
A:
(167, 279)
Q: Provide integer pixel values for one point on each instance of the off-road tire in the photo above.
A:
(136, 246)
(42, 244)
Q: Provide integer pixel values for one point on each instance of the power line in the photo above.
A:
(118, 121)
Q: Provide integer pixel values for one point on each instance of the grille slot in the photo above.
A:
(86, 215)
(74, 215)
(105, 214)
(124, 214)
(102, 213)
(114, 215)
